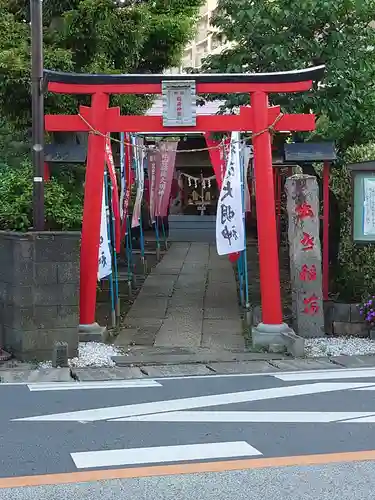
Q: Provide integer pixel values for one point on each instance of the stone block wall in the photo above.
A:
(339, 319)
(344, 319)
(39, 292)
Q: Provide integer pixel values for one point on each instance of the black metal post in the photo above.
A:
(37, 110)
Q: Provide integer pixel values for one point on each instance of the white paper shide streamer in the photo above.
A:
(105, 259)
(229, 217)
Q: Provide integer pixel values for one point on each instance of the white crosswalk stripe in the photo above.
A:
(119, 413)
(105, 384)
(163, 454)
(298, 417)
(326, 375)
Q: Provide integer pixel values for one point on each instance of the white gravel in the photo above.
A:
(44, 365)
(95, 354)
(336, 346)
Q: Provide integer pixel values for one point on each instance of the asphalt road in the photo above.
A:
(224, 436)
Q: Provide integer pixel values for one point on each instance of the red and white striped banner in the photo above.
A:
(154, 165)
(218, 151)
(164, 177)
(115, 194)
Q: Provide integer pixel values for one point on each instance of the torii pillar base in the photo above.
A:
(92, 333)
(278, 338)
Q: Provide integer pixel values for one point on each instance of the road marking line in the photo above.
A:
(371, 388)
(252, 416)
(119, 413)
(162, 454)
(325, 375)
(370, 419)
(105, 384)
(191, 468)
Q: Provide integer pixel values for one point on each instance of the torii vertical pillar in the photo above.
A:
(266, 214)
(271, 330)
(91, 214)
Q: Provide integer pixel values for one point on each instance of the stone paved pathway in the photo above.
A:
(188, 300)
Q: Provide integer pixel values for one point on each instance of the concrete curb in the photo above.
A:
(279, 364)
(196, 358)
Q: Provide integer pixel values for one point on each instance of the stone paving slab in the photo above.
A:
(188, 301)
(129, 336)
(144, 323)
(37, 375)
(170, 271)
(177, 294)
(185, 332)
(192, 356)
(152, 279)
(193, 362)
(304, 364)
(243, 367)
(224, 342)
(142, 330)
(220, 292)
(190, 312)
(149, 293)
(220, 275)
(354, 361)
(221, 313)
(188, 281)
(154, 307)
(193, 269)
(113, 373)
(177, 370)
(222, 326)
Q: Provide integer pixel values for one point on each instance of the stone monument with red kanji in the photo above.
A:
(305, 254)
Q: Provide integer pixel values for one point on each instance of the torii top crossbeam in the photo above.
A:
(260, 119)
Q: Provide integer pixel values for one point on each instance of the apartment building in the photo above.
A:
(208, 40)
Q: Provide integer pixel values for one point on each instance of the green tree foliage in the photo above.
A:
(102, 36)
(280, 35)
(83, 36)
(63, 206)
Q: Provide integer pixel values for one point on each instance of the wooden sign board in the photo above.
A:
(179, 103)
(65, 153)
(310, 151)
(363, 201)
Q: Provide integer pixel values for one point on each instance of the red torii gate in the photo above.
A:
(100, 119)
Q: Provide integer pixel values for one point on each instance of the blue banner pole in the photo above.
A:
(111, 287)
(244, 253)
(113, 232)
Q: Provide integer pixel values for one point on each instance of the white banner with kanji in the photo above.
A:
(105, 258)
(230, 231)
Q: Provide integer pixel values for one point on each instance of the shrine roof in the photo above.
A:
(307, 74)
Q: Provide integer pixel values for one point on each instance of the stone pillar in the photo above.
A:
(305, 254)
(39, 292)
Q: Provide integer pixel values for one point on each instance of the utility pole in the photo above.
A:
(37, 112)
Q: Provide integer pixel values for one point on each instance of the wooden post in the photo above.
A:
(325, 230)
